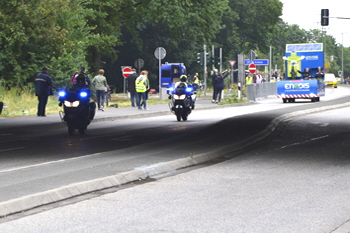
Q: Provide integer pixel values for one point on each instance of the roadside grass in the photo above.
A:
(23, 102)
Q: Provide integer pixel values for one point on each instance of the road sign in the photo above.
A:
(257, 62)
(139, 63)
(232, 63)
(127, 71)
(160, 53)
(252, 68)
(251, 55)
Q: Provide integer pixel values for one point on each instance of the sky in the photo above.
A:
(307, 14)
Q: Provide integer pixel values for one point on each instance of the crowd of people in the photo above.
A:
(138, 85)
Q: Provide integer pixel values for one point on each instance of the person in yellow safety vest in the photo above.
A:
(195, 83)
(142, 86)
(248, 80)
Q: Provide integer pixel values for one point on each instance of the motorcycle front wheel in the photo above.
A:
(184, 114)
(71, 130)
(178, 112)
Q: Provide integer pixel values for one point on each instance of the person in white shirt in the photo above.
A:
(258, 78)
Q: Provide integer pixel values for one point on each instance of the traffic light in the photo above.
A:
(324, 17)
(219, 61)
(200, 58)
(212, 60)
(208, 55)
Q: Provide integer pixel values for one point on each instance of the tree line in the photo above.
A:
(67, 34)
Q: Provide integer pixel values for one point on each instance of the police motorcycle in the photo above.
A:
(78, 111)
(182, 99)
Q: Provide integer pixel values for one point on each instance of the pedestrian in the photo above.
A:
(99, 82)
(219, 85)
(43, 88)
(74, 81)
(141, 87)
(258, 78)
(213, 77)
(131, 86)
(248, 80)
(320, 73)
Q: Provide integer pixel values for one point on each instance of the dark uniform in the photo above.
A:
(43, 88)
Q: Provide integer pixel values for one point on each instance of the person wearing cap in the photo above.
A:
(131, 86)
(43, 88)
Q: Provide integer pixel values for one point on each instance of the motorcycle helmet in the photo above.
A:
(183, 78)
(80, 79)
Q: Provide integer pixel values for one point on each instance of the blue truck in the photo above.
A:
(298, 58)
(171, 72)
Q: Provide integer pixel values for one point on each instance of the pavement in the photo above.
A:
(24, 203)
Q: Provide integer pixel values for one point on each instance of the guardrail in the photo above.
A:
(261, 90)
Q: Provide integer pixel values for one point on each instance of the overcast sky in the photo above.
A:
(307, 14)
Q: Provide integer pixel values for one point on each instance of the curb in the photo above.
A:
(76, 189)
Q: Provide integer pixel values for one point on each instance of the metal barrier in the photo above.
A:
(261, 90)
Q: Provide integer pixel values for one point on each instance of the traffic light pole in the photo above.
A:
(220, 59)
(212, 56)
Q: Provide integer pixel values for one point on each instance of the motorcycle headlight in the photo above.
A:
(179, 97)
(83, 94)
(71, 104)
(62, 93)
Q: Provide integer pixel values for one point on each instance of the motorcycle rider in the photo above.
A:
(82, 84)
(195, 83)
(181, 87)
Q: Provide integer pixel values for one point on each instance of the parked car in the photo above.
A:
(330, 80)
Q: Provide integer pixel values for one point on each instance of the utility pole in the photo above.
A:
(220, 59)
(205, 68)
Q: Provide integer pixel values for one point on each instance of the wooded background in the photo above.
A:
(67, 34)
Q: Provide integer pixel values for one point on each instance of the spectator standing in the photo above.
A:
(248, 80)
(213, 76)
(131, 86)
(258, 78)
(141, 87)
(219, 85)
(43, 88)
(99, 82)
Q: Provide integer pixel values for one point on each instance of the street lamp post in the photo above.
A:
(342, 57)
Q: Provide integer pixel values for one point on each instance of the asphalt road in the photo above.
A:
(41, 164)
(295, 180)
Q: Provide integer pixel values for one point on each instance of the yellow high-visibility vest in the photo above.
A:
(140, 85)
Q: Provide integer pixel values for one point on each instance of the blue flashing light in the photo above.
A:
(62, 93)
(189, 89)
(83, 94)
(171, 89)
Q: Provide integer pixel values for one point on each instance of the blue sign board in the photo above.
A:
(258, 62)
(297, 87)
